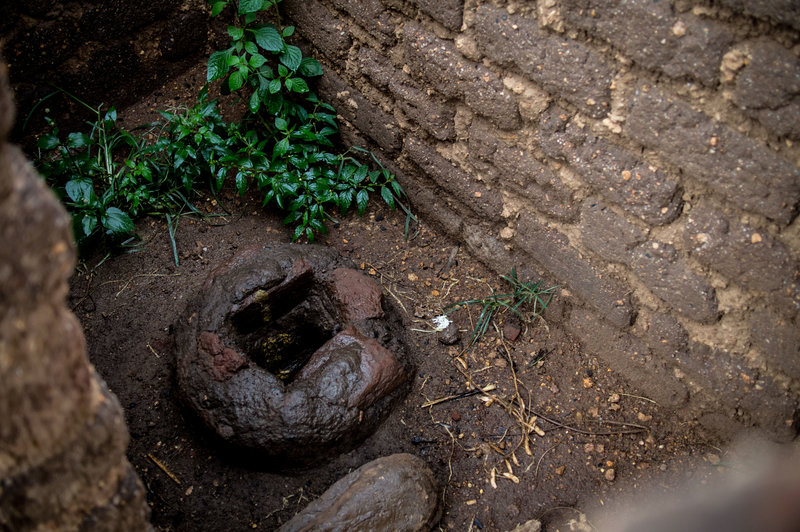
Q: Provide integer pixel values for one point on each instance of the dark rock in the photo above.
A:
(288, 352)
(449, 335)
(397, 493)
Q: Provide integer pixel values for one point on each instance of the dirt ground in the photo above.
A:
(595, 438)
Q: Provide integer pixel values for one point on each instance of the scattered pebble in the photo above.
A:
(613, 398)
(455, 415)
(610, 474)
(588, 448)
(560, 470)
(641, 416)
(511, 332)
(500, 362)
(587, 382)
(413, 277)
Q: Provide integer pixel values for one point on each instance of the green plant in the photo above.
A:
(522, 295)
(110, 175)
(75, 163)
(284, 145)
(286, 142)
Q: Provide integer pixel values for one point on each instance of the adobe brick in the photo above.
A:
(653, 36)
(320, 26)
(768, 88)
(627, 355)
(470, 192)
(658, 266)
(487, 248)
(744, 255)
(427, 204)
(731, 164)
(448, 12)
(607, 233)
(645, 191)
(552, 250)
(562, 66)
(429, 112)
(666, 336)
(780, 11)
(778, 339)
(454, 76)
(372, 16)
(523, 173)
(732, 384)
(366, 117)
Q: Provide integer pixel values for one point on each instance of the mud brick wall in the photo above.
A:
(642, 154)
(62, 432)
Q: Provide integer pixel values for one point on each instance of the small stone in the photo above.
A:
(455, 415)
(755, 238)
(587, 382)
(397, 492)
(610, 474)
(614, 407)
(679, 29)
(511, 332)
(641, 416)
(413, 277)
(588, 448)
(500, 362)
(613, 398)
(449, 335)
(560, 470)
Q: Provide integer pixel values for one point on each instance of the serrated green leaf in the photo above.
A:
(236, 81)
(291, 57)
(288, 31)
(250, 6)
(235, 33)
(268, 38)
(361, 201)
(250, 47)
(218, 65)
(274, 86)
(241, 183)
(117, 222)
(299, 85)
(280, 148)
(361, 173)
(249, 18)
(289, 83)
(257, 60)
(298, 232)
(310, 67)
(88, 224)
(48, 142)
(387, 196)
(281, 124)
(217, 7)
(81, 191)
(255, 102)
(283, 71)
(78, 140)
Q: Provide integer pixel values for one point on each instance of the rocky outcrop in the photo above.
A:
(62, 435)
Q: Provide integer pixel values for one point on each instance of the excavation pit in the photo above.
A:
(290, 352)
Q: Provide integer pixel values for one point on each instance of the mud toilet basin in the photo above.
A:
(289, 351)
